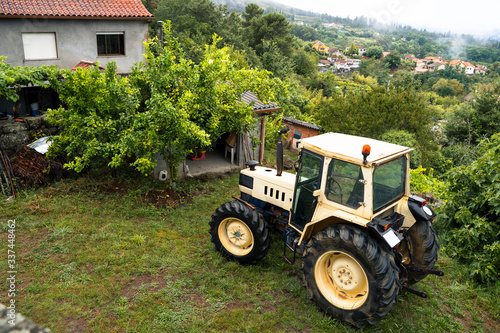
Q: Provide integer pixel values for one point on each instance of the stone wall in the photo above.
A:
(11, 321)
(14, 135)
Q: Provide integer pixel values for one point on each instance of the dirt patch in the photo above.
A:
(74, 325)
(153, 283)
(167, 198)
(197, 299)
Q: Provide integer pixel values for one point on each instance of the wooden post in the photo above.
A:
(262, 138)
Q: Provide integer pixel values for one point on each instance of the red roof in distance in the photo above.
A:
(119, 9)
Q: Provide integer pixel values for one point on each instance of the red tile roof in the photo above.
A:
(86, 64)
(130, 9)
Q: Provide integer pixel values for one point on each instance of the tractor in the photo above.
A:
(348, 212)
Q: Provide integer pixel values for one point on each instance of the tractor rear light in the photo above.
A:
(387, 226)
(423, 203)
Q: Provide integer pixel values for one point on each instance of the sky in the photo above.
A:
(477, 17)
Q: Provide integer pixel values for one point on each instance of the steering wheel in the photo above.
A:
(331, 184)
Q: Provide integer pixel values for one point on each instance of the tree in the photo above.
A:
(169, 105)
(473, 122)
(252, 11)
(393, 60)
(304, 63)
(353, 50)
(375, 52)
(446, 87)
(374, 112)
(271, 28)
(375, 68)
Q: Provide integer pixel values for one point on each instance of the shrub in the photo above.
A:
(406, 139)
(470, 216)
(420, 182)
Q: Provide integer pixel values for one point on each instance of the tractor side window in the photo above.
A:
(309, 168)
(345, 183)
(388, 182)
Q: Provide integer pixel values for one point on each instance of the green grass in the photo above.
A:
(97, 256)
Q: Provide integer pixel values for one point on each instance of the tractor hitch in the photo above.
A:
(415, 292)
(425, 271)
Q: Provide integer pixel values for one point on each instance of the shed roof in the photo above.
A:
(258, 106)
(117, 9)
(301, 123)
(86, 64)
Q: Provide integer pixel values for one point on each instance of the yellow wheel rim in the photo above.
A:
(341, 280)
(236, 236)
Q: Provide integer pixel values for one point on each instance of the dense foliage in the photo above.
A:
(471, 214)
(373, 113)
(12, 78)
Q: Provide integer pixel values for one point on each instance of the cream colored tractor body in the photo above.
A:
(348, 212)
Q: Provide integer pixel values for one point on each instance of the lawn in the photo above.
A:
(129, 255)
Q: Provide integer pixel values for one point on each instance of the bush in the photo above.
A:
(470, 216)
(420, 182)
(406, 139)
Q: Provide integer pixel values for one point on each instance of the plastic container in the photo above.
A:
(34, 109)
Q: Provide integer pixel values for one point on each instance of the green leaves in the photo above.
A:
(169, 105)
(12, 78)
(472, 213)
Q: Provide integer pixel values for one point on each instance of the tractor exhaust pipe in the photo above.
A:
(279, 152)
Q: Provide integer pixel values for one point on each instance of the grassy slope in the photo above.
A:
(96, 256)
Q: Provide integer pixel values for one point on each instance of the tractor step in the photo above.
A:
(291, 244)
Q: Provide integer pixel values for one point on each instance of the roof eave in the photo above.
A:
(55, 17)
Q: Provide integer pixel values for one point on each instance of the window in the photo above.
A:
(308, 180)
(345, 183)
(39, 45)
(388, 182)
(110, 43)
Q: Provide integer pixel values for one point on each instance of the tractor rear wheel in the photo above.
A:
(349, 276)
(424, 248)
(239, 233)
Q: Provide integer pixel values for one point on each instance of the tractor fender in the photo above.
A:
(420, 210)
(328, 219)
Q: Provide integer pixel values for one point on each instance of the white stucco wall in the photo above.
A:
(75, 40)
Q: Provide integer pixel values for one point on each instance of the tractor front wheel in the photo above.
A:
(239, 233)
(349, 276)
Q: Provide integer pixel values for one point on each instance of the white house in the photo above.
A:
(62, 33)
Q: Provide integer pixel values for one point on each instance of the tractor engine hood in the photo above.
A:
(264, 184)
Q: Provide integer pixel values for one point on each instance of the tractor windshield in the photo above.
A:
(388, 183)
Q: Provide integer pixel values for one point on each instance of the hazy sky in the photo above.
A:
(478, 17)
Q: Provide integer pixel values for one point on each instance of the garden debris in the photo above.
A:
(41, 145)
(8, 181)
(34, 168)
